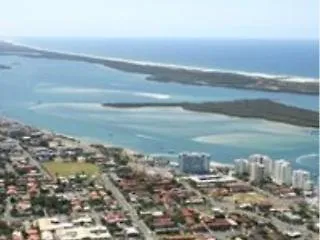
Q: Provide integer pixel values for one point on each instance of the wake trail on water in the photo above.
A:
(145, 137)
(307, 157)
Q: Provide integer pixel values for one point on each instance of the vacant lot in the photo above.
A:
(70, 168)
(250, 197)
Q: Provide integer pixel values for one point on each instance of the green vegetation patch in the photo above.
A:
(71, 168)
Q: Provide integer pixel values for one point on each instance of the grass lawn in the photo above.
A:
(250, 197)
(70, 168)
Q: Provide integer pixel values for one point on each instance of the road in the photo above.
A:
(229, 207)
(32, 160)
(9, 168)
(7, 214)
(35, 163)
(148, 234)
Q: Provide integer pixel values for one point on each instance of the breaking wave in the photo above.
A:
(280, 77)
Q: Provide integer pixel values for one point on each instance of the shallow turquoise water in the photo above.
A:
(65, 97)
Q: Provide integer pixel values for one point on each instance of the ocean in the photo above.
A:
(66, 97)
(291, 57)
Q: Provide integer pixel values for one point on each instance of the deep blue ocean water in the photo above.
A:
(289, 57)
(65, 97)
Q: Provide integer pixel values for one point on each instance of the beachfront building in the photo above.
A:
(241, 166)
(194, 163)
(256, 172)
(282, 173)
(301, 180)
(268, 166)
(266, 161)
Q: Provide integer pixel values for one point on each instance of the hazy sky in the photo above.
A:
(160, 18)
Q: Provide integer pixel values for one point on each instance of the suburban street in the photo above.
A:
(228, 207)
(148, 234)
(36, 163)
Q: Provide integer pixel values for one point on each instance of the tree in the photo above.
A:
(14, 211)
(37, 210)
(123, 160)
(298, 191)
(39, 200)
(5, 229)
(13, 200)
(149, 188)
(44, 143)
(177, 217)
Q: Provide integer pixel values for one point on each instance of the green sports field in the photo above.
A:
(70, 168)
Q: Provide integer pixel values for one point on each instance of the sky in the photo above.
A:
(275, 19)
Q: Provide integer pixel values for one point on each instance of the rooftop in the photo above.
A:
(79, 233)
(212, 178)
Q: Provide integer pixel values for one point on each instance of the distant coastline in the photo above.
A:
(178, 74)
(257, 108)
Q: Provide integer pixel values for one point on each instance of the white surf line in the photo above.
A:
(171, 66)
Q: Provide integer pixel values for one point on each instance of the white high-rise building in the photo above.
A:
(282, 173)
(301, 180)
(195, 163)
(265, 160)
(286, 173)
(241, 166)
(255, 157)
(256, 172)
(268, 166)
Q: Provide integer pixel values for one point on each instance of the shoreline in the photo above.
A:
(78, 139)
(258, 108)
(83, 141)
(179, 74)
(285, 77)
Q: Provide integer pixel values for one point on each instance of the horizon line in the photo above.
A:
(162, 37)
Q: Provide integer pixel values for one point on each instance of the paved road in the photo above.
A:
(148, 234)
(9, 168)
(7, 214)
(282, 226)
(36, 163)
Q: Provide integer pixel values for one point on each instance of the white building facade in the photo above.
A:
(301, 180)
(241, 166)
(265, 160)
(256, 172)
(282, 172)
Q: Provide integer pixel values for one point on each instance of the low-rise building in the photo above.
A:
(52, 224)
(80, 233)
(210, 180)
(291, 218)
